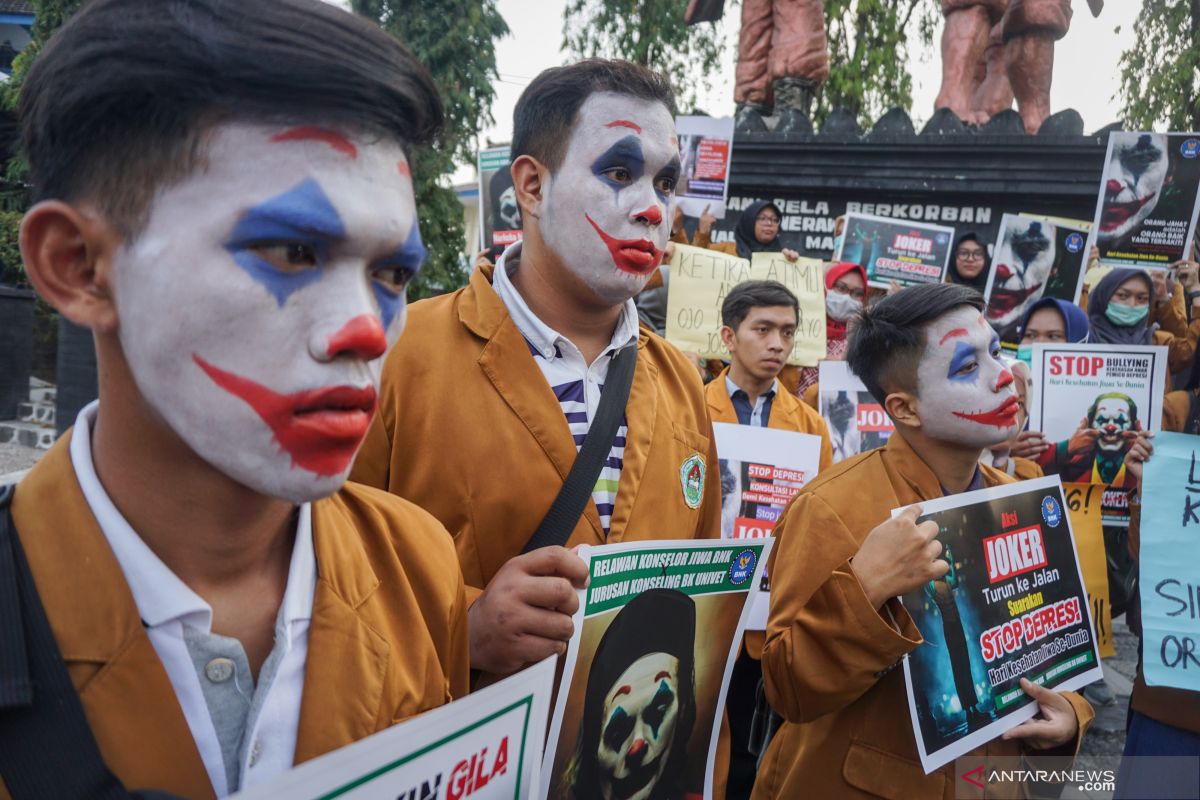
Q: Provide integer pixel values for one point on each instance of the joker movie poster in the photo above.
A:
(1090, 400)
(645, 675)
(1034, 258)
(1012, 606)
(857, 422)
(909, 253)
(499, 214)
(1149, 198)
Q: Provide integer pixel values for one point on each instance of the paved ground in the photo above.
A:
(15, 460)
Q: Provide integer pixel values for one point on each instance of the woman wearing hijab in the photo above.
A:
(1119, 313)
(969, 263)
(757, 231)
(845, 293)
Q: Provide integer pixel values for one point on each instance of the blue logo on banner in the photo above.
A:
(1074, 242)
(1051, 512)
(742, 567)
(942, 238)
(1190, 148)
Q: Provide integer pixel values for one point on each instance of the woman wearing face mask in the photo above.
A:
(969, 263)
(845, 292)
(1119, 313)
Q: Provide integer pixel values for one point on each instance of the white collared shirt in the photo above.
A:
(167, 605)
(574, 382)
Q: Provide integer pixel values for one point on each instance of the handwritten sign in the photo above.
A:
(1169, 562)
(702, 278)
(1085, 507)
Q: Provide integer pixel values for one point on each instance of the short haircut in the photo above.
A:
(887, 340)
(117, 104)
(548, 108)
(755, 294)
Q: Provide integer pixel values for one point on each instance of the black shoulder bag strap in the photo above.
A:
(47, 750)
(559, 522)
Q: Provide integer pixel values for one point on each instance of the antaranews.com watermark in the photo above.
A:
(1163, 778)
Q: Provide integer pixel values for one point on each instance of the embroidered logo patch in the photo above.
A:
(691, 478)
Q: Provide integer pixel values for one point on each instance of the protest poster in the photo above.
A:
(857, 422)
(499, 213)
(1148, 200)
(1169, 563)
(486, 746)
(1084, 506)
(1034, 258)
(761, 469)
(700, 280)
(1089, 400)
(1012, 606)
(910, 253)
(643, 686)
(705, 147)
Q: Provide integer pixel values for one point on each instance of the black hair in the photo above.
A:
(547, 109)
(117, 104)
(755, 294)
(888, 339)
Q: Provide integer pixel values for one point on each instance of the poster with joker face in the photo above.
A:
(1090, 401)
(646, 673)
(1149, 199)
(1035, 258)
(499, 213)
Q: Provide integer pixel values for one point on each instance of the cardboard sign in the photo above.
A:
(910, 253)
(857, 422)
(1084, 505)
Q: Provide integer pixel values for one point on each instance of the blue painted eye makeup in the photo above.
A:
(964, 356)
(409, 257)
(625, 155)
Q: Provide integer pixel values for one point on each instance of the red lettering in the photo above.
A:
(1012, 553)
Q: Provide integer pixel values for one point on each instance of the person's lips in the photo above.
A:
(1004, 301)
(1114, 215)
(320, 429)
(1002, 416)
(635, 256)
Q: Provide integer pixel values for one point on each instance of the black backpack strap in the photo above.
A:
(559, 522)
(47, 750)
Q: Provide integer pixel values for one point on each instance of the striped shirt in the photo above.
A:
(575, 383)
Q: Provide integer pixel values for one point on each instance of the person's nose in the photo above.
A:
(361, 337)
(1114, 186)
(651, 214)
(1004, 379)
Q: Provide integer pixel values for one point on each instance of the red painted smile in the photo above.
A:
(1117, 214)
(1005, 300)
(1002, 416)
(635, 256)
(320, 429)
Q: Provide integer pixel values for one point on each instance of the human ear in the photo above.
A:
(902, 408)
(728, 337)
(67, 252)
(529, 178)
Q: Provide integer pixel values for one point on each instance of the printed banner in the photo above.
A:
(1169, 563)
(1012, 606)
(1090, 400)
(910, 253)
(1084, 506)
(645, 676)
(857, 422)
(700, 280)
(762, 469)
(1149, 198)
(1034, 258)
(486, 746)
(499, 213)
(705, 146)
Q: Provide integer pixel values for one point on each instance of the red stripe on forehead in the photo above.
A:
(313, 133)
(624, 123)
(952, 334)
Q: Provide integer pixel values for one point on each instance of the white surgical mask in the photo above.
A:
(841, 306)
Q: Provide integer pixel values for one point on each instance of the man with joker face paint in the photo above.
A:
(241, 254)
(929, 357)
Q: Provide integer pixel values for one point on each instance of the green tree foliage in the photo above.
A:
(650, 33)
(1160, 73)
(455, 40)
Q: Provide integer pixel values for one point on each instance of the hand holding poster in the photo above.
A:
(486, 746)
(857, 423)
(1034, 258)
(1012, 606)
(910, 253)
(705, 146)
(1169, 562)
(646, 673)
(1149, 198)
(1091, 401)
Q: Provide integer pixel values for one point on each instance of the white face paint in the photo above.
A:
(1023, 263)
(641, 712)
(255, 304)
(606, 211)
(965, 394)
(1137, 170)
(1113, 418)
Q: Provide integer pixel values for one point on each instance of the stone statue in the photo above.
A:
(995, 51)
